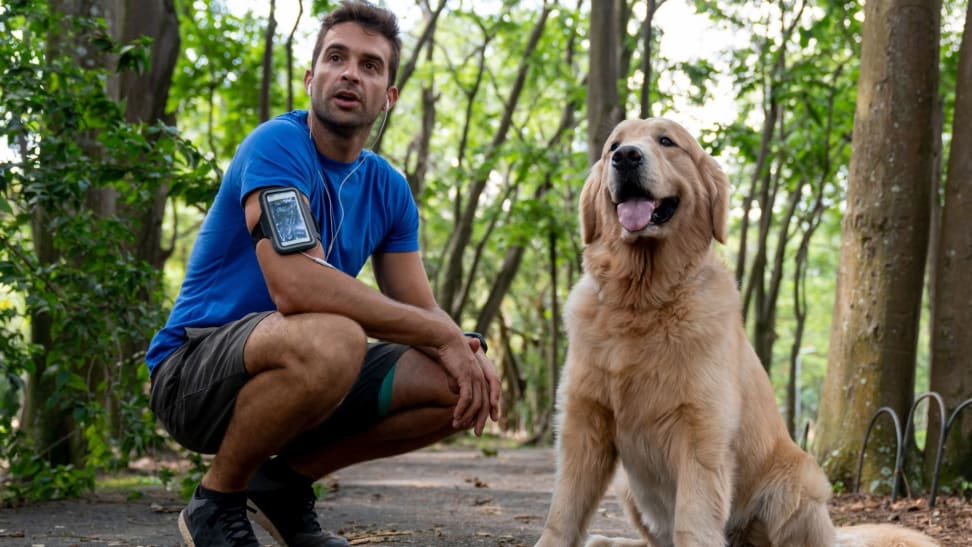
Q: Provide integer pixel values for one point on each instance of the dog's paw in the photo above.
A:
(547, 540)
(595, 540)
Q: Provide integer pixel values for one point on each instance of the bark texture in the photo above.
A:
(871, 359)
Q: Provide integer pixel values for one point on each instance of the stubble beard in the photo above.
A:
(342, 128)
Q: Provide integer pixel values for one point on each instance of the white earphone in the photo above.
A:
(387, 104)
(308, 89)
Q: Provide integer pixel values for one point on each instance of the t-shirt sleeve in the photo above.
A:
(402, 237)
(274, 155)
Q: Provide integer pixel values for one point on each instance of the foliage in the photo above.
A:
(217, 78)
(800, 71)
(70, 267)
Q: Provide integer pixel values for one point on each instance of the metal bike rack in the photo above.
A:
(901, 447)
(941, 446)
(897, 453)
(907, 435)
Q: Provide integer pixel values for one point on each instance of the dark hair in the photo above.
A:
(371, 18)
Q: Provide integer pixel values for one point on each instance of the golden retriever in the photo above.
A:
(661, 378)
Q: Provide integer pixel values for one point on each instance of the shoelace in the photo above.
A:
(309, 515)
(233, 520)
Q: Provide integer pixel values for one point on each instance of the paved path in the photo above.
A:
(431, 498)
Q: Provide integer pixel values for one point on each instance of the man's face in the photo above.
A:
(349, 83)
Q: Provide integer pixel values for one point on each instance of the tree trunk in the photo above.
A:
(770, 282)
(421, 145)
(452, 276)
(425, 41)
(604, 109)
(49, 425)
(648, 43)
(267, 78)
(553, 333)
(871, 359)
(513, 383)
(770, 114)
(145, 96)
(951, 365)
(290, 56)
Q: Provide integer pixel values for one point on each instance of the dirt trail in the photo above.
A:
(432, 498)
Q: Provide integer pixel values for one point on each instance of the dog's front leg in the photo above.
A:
(586, 459)
(704, 490)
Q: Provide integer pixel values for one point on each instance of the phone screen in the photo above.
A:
(287, 221)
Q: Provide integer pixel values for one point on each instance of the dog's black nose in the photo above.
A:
(627, 158)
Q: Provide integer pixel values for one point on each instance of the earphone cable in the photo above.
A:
(327, 193)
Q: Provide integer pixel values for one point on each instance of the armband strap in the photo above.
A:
(286, 220)
(482, 339)
(257, 233)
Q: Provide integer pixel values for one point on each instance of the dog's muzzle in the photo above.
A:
(637, 208)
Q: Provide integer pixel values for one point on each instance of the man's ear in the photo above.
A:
(391, 97)
(589, 221)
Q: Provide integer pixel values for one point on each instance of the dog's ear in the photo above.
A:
(718, 185)
(589, 222)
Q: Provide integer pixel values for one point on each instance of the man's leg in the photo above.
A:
(369, 424)
(301, 367)
(419, 414)
(244, 390)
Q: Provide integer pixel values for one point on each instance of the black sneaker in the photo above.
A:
(216, 519)
(288, 515)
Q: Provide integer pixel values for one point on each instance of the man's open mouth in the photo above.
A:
(347, 97)
(636, 214)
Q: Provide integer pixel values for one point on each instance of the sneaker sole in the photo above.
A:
(184, 529)
(257, 516)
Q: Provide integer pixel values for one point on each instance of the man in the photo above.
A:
(264, 360)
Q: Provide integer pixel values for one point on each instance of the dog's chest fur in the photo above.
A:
(643, 346)
(651, 391)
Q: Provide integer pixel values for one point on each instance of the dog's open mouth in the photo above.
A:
(636, 214)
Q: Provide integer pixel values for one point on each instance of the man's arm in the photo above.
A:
(402, 277)
(298, 285)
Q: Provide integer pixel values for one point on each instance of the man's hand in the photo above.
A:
(476, 380)
(493, 385)
(471, 374)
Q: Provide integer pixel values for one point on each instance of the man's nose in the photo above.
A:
(350, 72)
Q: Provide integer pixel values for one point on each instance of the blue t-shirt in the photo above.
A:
(223, 278)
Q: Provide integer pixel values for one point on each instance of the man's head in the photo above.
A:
(351, 80)
(374, 20)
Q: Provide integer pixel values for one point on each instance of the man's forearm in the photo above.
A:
(297, 285)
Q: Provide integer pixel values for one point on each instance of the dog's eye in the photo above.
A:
(665, 141)
(615, 145)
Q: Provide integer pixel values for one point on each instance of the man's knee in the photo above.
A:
(333, 352)
(321, 351)
(422, 382)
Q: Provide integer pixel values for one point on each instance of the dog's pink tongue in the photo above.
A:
(635, 214)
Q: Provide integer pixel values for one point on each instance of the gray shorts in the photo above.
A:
(194, 389)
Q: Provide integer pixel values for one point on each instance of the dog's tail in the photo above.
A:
(882, 535)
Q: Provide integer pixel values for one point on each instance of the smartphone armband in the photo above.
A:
(286, 220)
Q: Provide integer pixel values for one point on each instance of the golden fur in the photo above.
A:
(661, 377)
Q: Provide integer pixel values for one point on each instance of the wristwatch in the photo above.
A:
(482, 339)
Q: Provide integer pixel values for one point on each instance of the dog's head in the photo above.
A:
(653, 181)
